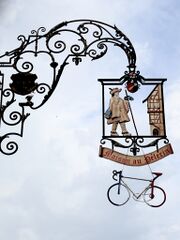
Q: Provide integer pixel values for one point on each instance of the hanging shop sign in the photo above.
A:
(133, 120)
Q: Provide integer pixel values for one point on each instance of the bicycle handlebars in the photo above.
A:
(115, 173)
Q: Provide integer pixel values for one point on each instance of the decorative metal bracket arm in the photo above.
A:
(67, 41)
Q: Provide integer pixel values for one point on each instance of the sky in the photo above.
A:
(54, 187)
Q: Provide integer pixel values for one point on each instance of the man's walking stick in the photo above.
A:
(127, 98)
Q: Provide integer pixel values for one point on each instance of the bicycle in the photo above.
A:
(119, 193)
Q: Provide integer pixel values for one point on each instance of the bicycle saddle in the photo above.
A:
(157, 173)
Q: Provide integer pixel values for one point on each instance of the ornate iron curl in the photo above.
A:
(90, 39)
(134, 143)
(10, 147)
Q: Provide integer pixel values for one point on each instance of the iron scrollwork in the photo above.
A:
(72, 40)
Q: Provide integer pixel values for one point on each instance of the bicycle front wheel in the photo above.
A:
(118, 195)
(158, 198)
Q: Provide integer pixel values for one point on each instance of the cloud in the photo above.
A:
(27, 234)
(9, 10)
(55, 186)
(3, 5)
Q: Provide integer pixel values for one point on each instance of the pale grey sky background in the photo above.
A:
(54, 187)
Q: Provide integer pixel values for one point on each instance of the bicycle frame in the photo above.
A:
(137, 196)
(151, 184)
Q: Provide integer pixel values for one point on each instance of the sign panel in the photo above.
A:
(136, 160)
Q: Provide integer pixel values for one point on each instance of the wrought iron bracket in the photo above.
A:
(90, 38)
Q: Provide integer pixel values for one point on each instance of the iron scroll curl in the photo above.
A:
(91, 39)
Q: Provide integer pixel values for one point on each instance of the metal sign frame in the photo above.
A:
(133, 142)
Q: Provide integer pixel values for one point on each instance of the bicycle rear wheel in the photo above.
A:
(158, 198)
(118, 195)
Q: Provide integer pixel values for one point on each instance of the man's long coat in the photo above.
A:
(119, 109)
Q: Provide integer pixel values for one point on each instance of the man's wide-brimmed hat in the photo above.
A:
(114, 90)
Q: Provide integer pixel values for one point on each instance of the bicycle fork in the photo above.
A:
(152, 190)
(119, 184)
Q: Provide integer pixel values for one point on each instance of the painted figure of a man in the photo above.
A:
(119, 113)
